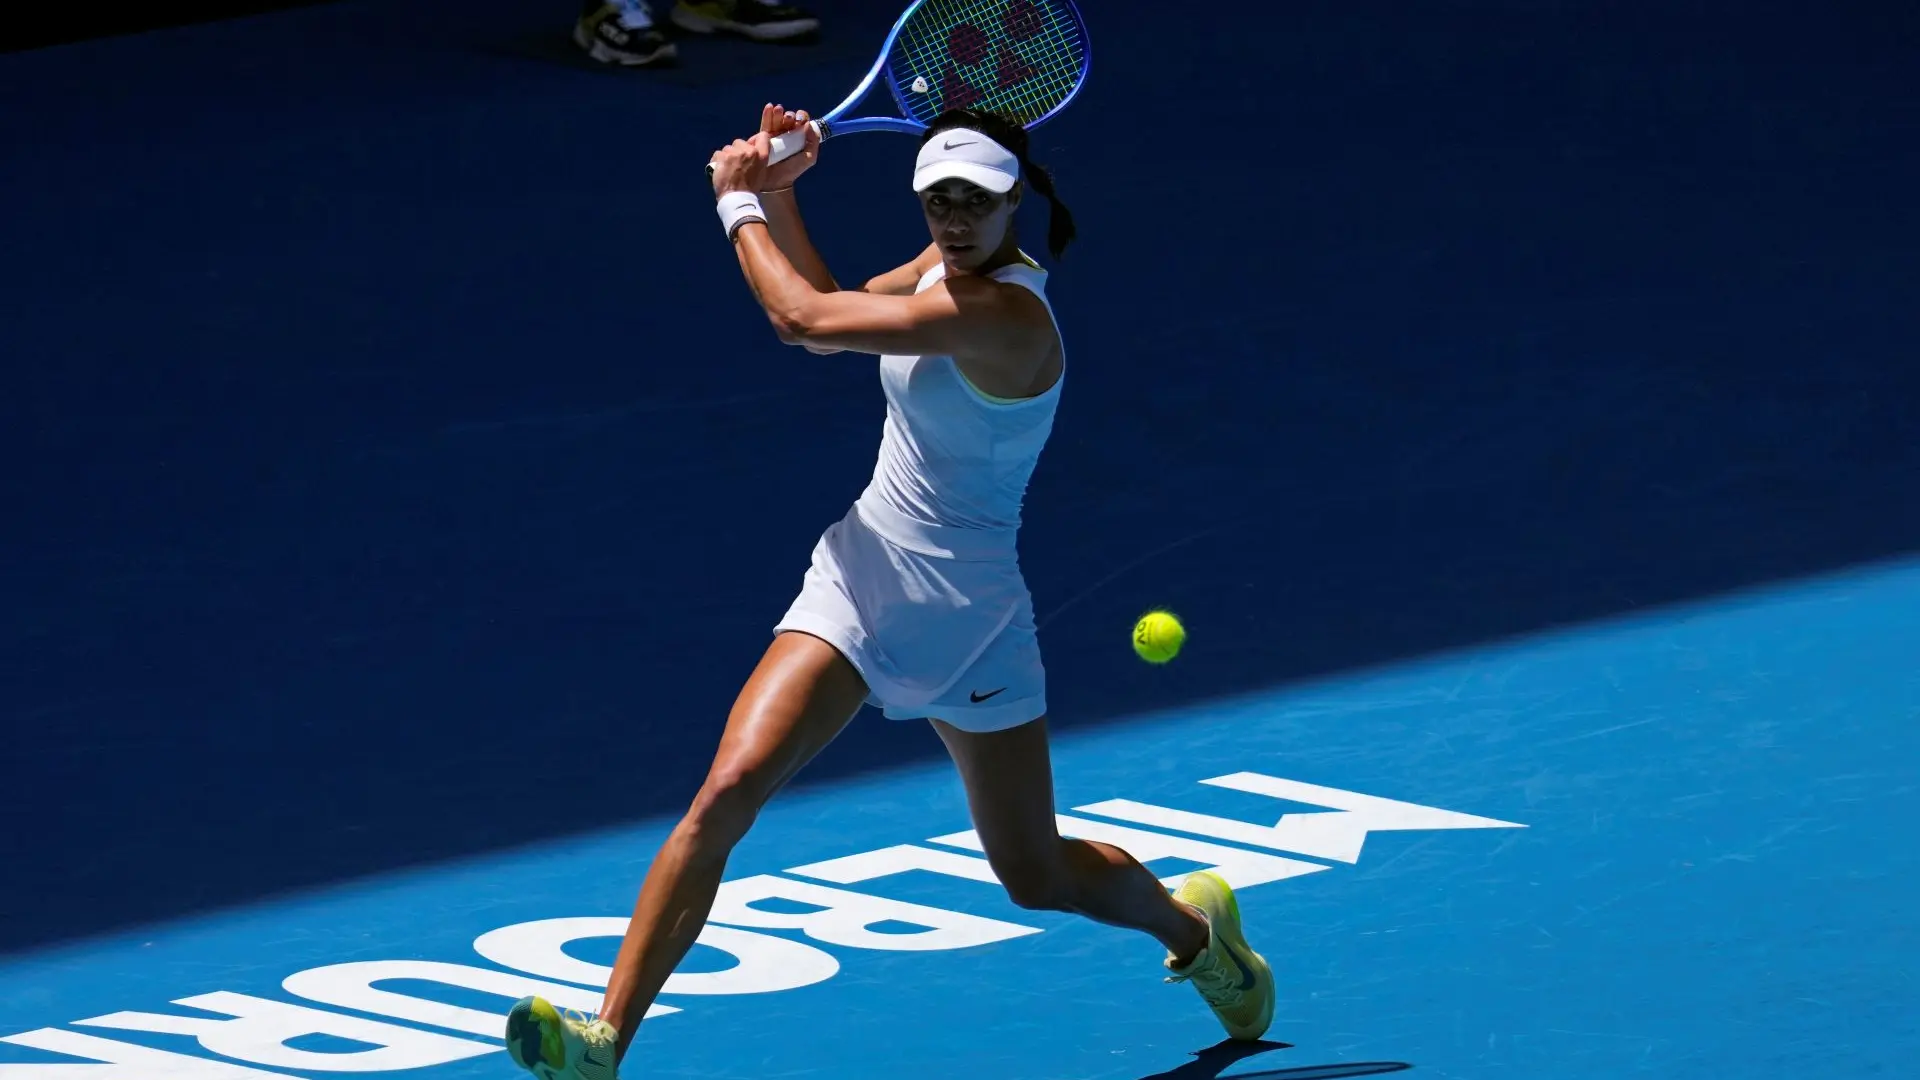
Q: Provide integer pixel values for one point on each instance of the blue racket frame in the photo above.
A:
(831, 124)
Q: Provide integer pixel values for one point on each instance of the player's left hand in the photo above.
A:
(742, 166)
(778, 120)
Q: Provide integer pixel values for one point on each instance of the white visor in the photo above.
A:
(964, 154)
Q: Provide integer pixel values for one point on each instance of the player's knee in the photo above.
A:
(724, 809)
(1036, 884)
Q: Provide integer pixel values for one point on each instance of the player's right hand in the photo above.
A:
(778, 120)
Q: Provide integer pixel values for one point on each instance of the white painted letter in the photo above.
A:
(1240, 867)
(351, 986)
(898, 859)
(764, 964)
(262, 1029)
(1337, 834)
(125, 1061)
(845, 917)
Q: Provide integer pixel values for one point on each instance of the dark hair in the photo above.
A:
(1014, 137)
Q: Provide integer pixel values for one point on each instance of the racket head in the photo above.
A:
(1023, 59)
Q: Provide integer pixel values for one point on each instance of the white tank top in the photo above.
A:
(954, 463)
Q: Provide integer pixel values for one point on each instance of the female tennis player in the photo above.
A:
(914, 602)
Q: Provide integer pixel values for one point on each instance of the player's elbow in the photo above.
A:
(784, 331)
(797, 322)
(793, 334)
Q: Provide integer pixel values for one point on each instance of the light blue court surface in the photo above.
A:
(1516, 398)
(1669, 847)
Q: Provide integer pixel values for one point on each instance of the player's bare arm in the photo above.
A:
(978, 321)
(900, 281)
(903, 279)
(784, 222)
(1000, 334)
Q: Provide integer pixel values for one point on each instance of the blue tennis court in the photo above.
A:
(1516, 401)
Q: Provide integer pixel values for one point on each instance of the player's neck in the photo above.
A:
(1007, 255)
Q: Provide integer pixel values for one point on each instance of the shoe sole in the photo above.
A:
(701, 24)
(533, 1026)
(1237, 941)
(603, 53)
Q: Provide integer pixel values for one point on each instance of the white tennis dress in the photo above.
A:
(919, 586)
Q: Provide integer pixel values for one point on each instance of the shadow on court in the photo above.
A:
(400, 470)
(1216, 1059)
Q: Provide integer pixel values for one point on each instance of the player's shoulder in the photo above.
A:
(991, 295)
(1004, 321)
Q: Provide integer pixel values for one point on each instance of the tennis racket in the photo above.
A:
(1023, 59)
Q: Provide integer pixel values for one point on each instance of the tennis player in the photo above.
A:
(914, 602)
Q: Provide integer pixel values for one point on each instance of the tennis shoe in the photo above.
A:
(761, 20)
(621, 32)
(1232, 979)
(556, 1047)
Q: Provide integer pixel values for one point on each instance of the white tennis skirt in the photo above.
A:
(938, 621)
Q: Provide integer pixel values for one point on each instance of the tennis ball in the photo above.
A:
(1157, 637)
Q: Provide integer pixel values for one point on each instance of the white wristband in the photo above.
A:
(736, 208)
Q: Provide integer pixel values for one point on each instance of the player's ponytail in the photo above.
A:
(1060, 230)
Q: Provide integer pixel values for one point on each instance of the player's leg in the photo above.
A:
(994, 724)
(1008, 775)
(799, 697)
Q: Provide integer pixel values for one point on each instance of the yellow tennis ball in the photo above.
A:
(1157, 637)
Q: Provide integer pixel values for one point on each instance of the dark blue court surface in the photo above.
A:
(1518, 401)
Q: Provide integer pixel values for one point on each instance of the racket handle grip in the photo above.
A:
(785, 146)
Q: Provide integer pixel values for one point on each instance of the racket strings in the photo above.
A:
(1019, 58)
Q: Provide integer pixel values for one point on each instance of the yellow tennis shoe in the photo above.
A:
(556, 1047)
(1234, 980)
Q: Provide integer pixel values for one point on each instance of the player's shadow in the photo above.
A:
(1210, 1063)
